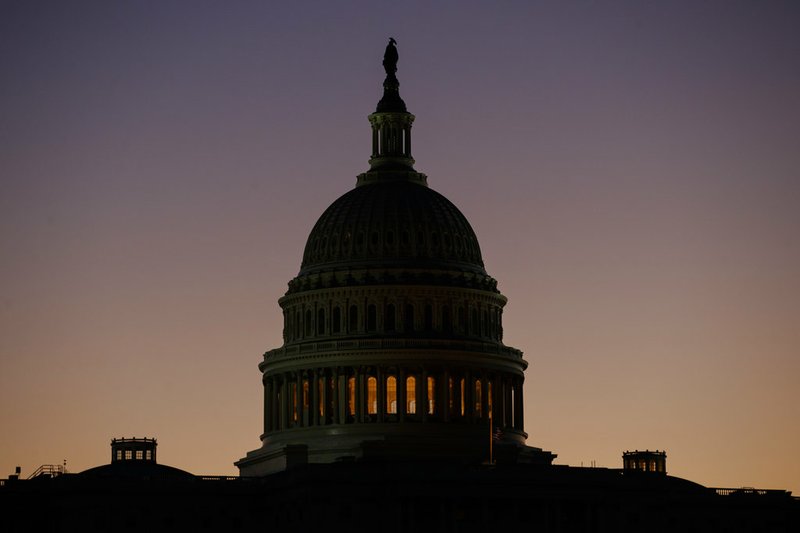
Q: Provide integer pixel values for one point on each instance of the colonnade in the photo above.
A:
(376, 394)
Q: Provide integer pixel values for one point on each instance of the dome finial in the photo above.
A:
(391, 101)
(390, 57)
(391, 130)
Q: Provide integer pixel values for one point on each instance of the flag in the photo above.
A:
(497, 434)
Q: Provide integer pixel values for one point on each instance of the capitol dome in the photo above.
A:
(393, 338)
(392, 224)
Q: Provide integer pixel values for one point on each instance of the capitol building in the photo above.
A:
(393, 330)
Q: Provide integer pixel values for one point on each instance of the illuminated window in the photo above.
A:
(478, 398)
(372, 396)
(431, 395)
(462, 387)
(411, 395)
(391, 395)
(128, 454)
(305, 395)
(119, 455)
(139, 455)
(351, 396)
(148, 455)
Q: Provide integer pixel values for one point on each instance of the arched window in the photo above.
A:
(409, 318)
(428, 318)
(321, 322)
(391, 395)
(353, 319)
(336, 320)
(431, 395)
(462, 320)
(478, 398)
(351, 396)
(372, 395)
(475, 329)
(447, 323)
(372, 318)
(390, 320)
(297, 329)
(411, 395)
(309, 317)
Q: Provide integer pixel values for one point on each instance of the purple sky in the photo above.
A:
(630, 169)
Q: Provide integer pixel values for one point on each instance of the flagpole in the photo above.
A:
(491, 436)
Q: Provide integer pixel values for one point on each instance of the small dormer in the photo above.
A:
(133, 449)
(645, 461)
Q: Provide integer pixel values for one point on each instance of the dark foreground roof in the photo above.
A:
(393, 497)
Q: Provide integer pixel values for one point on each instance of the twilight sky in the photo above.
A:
(631, 170)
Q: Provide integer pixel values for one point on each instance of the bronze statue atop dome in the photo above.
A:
(390, 57)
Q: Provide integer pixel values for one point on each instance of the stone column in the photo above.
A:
(381, 394)
(444, 396)
(336, 393)
(313, 398)
(401, 394)
(267, 406)
(423, 394)
(518, 414)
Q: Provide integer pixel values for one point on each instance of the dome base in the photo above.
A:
(443, 443)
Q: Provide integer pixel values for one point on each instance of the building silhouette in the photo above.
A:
(393, 336)
(393, 404)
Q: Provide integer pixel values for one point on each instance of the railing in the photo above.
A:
(48, 471)
(378, 344)
(750, 491)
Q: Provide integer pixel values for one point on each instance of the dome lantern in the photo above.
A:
(391, 122)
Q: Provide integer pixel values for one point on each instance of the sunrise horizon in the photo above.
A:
(630, 173)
